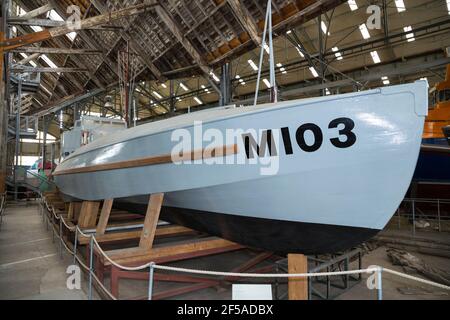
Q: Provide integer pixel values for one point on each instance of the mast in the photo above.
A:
(273, 85)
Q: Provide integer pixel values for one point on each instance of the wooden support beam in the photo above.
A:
(47, 70)
(151, 221)
(172, 25)
(135, 46)
(172, 252)
(298, 287)
(48, 50)
(104, 216)
(37, 12)
(27, 39)
(88, 214)
(245, 19)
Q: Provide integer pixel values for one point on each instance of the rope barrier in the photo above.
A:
(152, 265)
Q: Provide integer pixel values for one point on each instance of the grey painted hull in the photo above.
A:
(359, 186)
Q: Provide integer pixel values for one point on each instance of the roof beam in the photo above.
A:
(27, 39)
(136, 47)
(48, 70)
(37, 12)
(172, 25)
(245, 19)
(47, 50)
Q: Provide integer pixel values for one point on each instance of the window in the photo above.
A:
(444, 95)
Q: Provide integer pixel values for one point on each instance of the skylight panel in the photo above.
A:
(266, 47)
(37, 28)
(253, 65)
(314, 72)
(409, 36)
(353, 5)
(400, 5)
(72, 35)
(53, 15)
(364, 31)
(25, 56)
(337, 53)
(375, 57)
(49, 62)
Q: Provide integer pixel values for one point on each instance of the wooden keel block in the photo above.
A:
(151, 221)
(88, 214)
(104, 216)
(298, 287)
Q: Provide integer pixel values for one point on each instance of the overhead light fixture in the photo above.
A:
(267, 83)
(300, 52)
(327, 91)
(364, 31)
(290, 31)
(157, 94)
(352, 4)
(400, 5)
(238, 76)
(448, 6)
(71, 36)
(409, 36)
(198, 100)
(183, 86)
(337, 53)
(213, 75)
(253, 65)
(243, 83)
(385, 80)
(314, 72)
(282, 69)
(324, 27)
(164, 85)
(375, 57)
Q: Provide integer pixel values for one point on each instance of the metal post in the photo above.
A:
(61, 238)
(18, 110)
(91, 266)
(75, 246)
(414, 217)
(150, 281)
(439, 215)
(380, 283)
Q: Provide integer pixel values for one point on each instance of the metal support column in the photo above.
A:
(172, 97)
(17, 147)
(225, 85)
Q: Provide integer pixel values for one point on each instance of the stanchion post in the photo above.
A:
(75, 246)
(380, 283)
(439, 215)
(150, 280)
(60, 238)
(91, 265)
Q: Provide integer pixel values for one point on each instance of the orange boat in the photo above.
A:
(438, 113)
(434, 159)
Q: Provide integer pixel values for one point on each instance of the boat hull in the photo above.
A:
(433, 165)
(341, 168)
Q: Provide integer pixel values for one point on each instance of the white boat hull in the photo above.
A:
(352, 188)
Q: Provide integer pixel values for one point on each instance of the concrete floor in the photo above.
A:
(31, 268)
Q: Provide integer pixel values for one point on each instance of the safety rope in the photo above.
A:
(218, 273)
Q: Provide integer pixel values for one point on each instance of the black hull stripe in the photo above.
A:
(267, 234)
